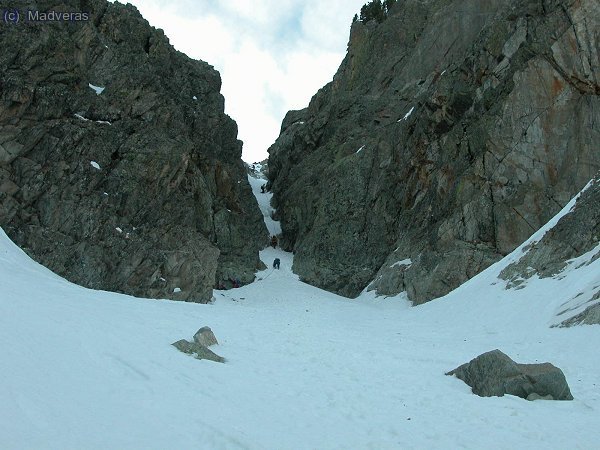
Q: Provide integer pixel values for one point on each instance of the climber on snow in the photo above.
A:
(276, 263)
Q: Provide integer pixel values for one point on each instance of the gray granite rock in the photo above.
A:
(533, 396)
(205, 336)
(590, 316)
(139, 188)
(451, 132)
(495, 374)
(199, 351)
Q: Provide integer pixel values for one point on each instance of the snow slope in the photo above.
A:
(264, 203)
(85, 369)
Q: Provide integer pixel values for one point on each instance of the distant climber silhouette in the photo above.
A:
(276, 263)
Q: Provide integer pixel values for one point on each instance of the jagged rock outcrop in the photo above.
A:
(572, 243)
(590, 316)
(451, 132)
(203, 339)
(205, 336)
(575, 234)
(199, 351)
(118, 168)
(495, 374)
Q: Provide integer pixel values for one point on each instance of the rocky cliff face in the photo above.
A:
(450, 133)
(118, 167)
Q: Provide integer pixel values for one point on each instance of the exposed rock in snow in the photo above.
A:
(205, 336)
(495, 374)
(199, 351)
(589, 316)
(111, 351)
(576, 233)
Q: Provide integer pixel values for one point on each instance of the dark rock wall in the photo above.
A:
(170, 206)
(476, 122)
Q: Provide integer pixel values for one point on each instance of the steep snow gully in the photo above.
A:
(305, 368)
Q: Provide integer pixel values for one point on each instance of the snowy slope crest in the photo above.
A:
(257, 181)
(554, 275)
(561, 260)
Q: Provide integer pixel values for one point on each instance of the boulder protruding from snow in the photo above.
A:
(205, 336)
(495, 374)
(199, 348)
(199, 351)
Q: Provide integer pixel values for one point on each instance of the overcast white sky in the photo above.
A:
(273, 55)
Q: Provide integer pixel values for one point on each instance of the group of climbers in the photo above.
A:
(274, 241)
